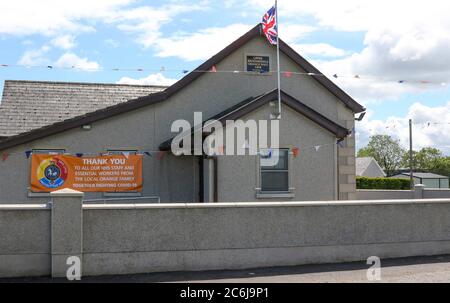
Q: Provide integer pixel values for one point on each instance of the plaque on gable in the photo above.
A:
(257, 64)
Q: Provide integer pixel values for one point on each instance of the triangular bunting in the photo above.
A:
(5, 156)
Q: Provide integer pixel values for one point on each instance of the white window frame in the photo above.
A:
(264, 194)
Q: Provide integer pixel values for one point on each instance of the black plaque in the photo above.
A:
(258, 64)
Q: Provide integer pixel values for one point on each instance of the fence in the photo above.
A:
(36, 240)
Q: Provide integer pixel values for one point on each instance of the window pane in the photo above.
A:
(275, 181)
(274, 160)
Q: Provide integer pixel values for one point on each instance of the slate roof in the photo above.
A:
(28, 105)
(362, 164)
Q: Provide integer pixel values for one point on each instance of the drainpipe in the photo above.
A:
(216, 178)
(201, 180)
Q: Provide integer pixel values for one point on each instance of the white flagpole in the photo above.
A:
(278, 60)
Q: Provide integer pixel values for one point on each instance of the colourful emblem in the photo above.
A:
(52, 172)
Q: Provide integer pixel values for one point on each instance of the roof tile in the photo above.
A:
(28, 105)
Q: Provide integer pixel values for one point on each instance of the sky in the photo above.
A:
(398, 49)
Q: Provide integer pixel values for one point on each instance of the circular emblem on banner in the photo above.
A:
(52, 173)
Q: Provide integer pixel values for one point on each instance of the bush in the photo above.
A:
(383, 184)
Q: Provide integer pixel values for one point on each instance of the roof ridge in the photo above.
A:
(85, 83)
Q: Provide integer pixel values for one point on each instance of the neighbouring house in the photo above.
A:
(317, 154)
(368, 167)
(428, 179)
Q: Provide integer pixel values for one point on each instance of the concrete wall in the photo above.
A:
(125, 239)
(176, 179)
(384, 194)
(25, 240)
(420, 192)
(430, 193)
(227, 236)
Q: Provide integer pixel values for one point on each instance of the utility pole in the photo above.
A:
(411, 155)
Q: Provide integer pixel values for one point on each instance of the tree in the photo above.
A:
(386, 151)
(425, 160)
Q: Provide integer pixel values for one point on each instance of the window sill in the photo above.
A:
(266, 195)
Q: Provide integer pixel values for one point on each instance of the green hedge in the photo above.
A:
(383, 183)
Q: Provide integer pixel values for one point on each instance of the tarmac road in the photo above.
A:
(408, 270)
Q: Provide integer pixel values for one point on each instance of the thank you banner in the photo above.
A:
(113, 173)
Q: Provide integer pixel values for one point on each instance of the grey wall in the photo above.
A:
(430, 193)
(176, 179)
(420, 192)
(24, 240)
(124, 239)
(206, 237)
(384, 194)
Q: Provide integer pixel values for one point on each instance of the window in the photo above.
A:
(274, 165)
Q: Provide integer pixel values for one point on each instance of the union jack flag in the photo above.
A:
(270, 26)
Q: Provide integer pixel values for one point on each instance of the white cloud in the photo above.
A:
(71, 60)
(153, 79)
(431, 127)
(200, 45)
(35, 57)
(403, 41)
(60, 18)
(49, 17)
(292, 32)
(64, 42)
(146, 21)
(319, 49)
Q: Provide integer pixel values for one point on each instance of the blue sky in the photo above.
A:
(347, 37)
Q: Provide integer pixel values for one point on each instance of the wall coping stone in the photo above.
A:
(24, 207)
(260, 205)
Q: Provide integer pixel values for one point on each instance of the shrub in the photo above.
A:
(383, 183)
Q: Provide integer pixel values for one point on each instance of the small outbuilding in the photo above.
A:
(369, 167)
(428, 179)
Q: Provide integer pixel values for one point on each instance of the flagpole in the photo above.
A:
(278, 60)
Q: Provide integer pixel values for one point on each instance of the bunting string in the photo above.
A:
(161, 154)
(214, 69)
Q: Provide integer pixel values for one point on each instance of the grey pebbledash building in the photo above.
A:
(98, 118)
